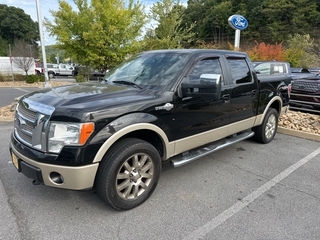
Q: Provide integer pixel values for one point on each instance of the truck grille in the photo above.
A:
(305, 86)
(30, 123)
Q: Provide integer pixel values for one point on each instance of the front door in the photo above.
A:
(198, 115)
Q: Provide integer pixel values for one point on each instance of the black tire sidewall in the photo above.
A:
(270, 112)
(110, 167)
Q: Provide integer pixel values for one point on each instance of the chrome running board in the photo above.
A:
(202, 151)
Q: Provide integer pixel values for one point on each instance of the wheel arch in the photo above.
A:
(276, 103)
(145, 131)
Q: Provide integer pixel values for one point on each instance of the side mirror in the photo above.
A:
(209, 87)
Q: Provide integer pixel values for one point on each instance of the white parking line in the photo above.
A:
(222, 217)
(23, 90)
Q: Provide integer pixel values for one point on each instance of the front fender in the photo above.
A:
(121, 126)
(168, 147)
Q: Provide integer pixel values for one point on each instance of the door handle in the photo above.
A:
(167, 106)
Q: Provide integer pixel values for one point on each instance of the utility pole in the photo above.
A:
(46, 77)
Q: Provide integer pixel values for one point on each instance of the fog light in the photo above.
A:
(56, 177)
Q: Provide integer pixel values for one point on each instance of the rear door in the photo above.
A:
(244, 94)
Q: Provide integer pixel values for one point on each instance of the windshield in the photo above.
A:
(149, 70)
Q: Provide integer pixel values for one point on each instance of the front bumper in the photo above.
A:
(66, 177)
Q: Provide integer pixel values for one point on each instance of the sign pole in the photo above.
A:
(238, 23)
(237, 40)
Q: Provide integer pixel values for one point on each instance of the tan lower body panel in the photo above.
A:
(188, 143)
(75, 178)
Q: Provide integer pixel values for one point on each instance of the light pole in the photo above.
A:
(46, 77)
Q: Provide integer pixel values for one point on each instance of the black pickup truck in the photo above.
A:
(176, 105)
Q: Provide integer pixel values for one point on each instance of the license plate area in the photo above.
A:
(15, 161)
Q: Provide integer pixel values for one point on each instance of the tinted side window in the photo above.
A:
(240, 70)
(205, 66)
(271, 68)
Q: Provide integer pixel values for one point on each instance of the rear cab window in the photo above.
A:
(240, 71)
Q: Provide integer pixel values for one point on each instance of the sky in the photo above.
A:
(30, 8)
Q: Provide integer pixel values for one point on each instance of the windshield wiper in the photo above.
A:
(127, 83)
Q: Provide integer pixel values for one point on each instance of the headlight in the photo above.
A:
(61, 134)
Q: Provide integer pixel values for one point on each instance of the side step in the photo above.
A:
(202, 151)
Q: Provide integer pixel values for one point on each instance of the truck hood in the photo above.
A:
(78, 100)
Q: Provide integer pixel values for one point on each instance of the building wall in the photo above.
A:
(5, 67)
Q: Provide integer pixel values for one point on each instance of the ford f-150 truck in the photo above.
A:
(175, 105)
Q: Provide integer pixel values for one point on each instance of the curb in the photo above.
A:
(6, 119)
(299, 134)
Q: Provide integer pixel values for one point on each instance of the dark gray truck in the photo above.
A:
(165, 105)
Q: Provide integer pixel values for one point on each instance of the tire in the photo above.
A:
(51, 75)
(121, 181)
(267, 130)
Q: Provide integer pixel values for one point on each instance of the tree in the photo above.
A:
(283, 18)
(269, 21)
(300, 52)
(263, 51)
(22, 56)
(16, 25)
(169, 33)
(3, 47)
(99, 33)
(215, 24)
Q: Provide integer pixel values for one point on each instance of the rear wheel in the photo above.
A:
(267, 130)
(51, 75)
(128, 174)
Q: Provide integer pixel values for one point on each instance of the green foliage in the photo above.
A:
(4, 47)
(269, 21)
(99, 33)
(81, 78)
(19, 77)
(291, 17)
(32, 79)
(169, 33)
(300, 51)
(8, 78)
(41, 78)
(2, 78)
(17, 25)
(83, 74)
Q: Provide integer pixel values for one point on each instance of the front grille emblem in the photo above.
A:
(21, 123)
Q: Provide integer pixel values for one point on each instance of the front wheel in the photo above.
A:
(128, 174)
(267, 130)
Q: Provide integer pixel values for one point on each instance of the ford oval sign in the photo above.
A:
(238, 22)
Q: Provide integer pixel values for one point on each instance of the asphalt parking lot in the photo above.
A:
(245, 191)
